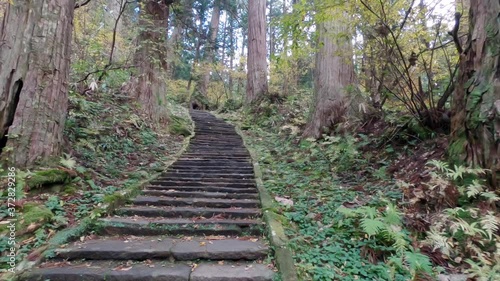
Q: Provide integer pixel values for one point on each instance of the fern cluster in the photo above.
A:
(467, 233)
(386, 227)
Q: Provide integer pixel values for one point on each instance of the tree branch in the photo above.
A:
(454, 33)
(100, 70)
(79, 5)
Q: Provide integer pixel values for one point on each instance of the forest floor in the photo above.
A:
(360, 206)
(109, 149)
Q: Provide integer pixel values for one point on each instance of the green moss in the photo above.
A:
(456, 150)
(47, 178)
(33, 213)
(70, 189)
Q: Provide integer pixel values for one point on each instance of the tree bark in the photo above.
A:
(256, 63)
(209, 53)
(35, 40)
(183, 21)
(149, 87)
(334, 73)
(477, 107)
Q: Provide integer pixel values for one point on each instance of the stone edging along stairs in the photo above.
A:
(200, 221)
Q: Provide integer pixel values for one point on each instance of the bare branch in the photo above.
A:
(79, 5)
(454, 33)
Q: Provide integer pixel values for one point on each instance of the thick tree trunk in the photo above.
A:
(149, 88)
(35, 39)
(231, 56)
(183, 19)
(240, 82)
(476, 120)
(209, 53)
(334, 73)
(256, 62)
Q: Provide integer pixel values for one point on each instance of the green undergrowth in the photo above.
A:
(362, 206)
(109, 149)
(327, 245)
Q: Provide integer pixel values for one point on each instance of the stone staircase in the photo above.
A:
(199, 221)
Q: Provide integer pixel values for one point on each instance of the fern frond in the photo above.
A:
(367, 212)
(440, 165)
(67, 161)
(392, 215)
(346, 211)
(490, 224)
(474, 189)
(490, 196)
(372, 226)
(418, 262)
(439, 241)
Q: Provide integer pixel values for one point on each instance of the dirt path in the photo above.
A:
(199, 221)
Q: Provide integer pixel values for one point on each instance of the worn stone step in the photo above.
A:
(189, 194)
(205, 150)
(233, 141)
(110, 271)
(215, 163)
(215, 158)
(162, 226)
(240, 190)
(188, 212)
(231, 272)
(230, 140)
(208, 169)
(202, 175)
(213, 147)
(195, 202)
(158, 247)
(212, 130)
(207, 180)
(177, 182)
(217, 154)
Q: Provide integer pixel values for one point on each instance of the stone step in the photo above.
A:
(207, 180)
(216, 154)
(203, 150)
(162, 226)
(202, 175)
(239, 190)
(208, 169)
(231, 272)
(215, 158)
(211, 146)
(234, 141)
(157, 247)
(150, 270)
(177, 182)
(195, 202)
(189, 194)
(215, 163)
(109, 271)
(188, 212)
(213, 130)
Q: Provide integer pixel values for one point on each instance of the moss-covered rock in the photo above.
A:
(47, 178)
(34, 213)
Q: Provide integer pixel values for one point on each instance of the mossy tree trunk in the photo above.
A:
(257, 85)
(149, 87)
(209, 52)
(334, 75)
(35, 39)
(476, 120)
